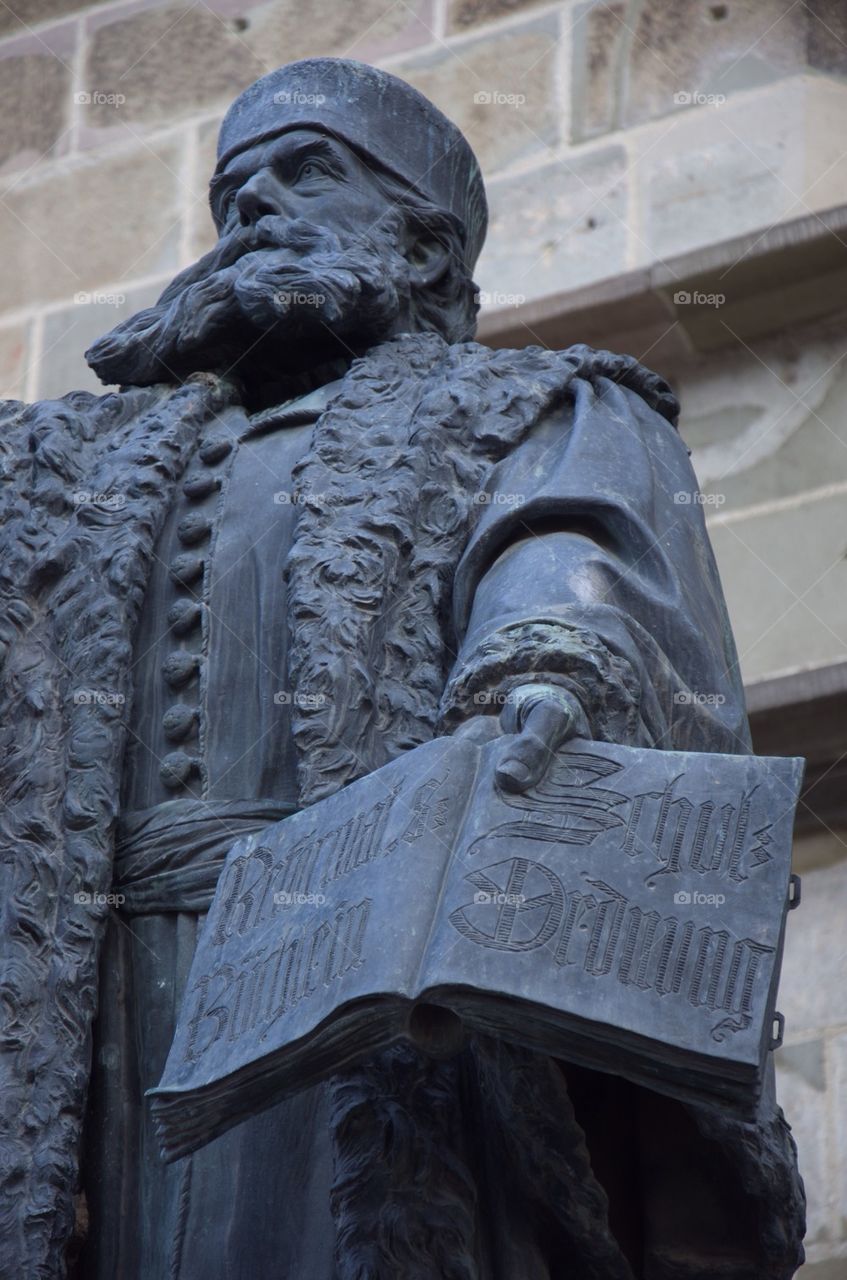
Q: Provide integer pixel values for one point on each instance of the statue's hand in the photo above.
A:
(543, 716)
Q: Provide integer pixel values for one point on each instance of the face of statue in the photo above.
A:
(315, 262)
(300, 175)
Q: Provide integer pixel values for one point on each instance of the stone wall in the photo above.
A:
(812, 1064)
(611, 135)
(767, 423)
(614, 136)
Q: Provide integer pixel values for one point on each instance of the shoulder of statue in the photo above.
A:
(54, 447)
(627, 372)
(56, 431)
(89, 414)
(553, 370)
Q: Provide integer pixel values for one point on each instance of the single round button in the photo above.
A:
(184, 616)
(179, 721)
(176, 769)
(193, 528)
(215, 450)
(185, 569)
(179, 667)
(201, 486)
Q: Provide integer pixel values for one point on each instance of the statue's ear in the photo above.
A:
(428, 259)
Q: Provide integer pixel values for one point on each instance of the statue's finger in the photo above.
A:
(552, 721)
(523, 764)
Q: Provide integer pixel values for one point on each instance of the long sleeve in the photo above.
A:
(590, 566)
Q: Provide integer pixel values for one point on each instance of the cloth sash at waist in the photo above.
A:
(168, 858)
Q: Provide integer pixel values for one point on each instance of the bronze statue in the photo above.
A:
(316, 527)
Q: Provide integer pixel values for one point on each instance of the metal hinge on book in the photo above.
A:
(794, 891)
(778, 1030)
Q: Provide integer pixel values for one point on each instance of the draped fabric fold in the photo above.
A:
(168, 858)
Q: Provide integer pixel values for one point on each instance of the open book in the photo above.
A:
(626, 914)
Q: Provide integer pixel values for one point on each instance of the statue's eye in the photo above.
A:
(309, 170)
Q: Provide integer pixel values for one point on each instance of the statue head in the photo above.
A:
(348, 209)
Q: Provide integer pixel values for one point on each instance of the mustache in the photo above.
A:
(259, 274)
(269, 234)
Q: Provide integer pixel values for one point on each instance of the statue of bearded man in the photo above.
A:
(317, 526)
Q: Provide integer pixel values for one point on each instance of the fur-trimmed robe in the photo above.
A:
(404, 617)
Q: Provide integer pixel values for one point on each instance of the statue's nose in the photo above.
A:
(259, 196)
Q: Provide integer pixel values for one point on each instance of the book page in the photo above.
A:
(331, 905)
(642, 891)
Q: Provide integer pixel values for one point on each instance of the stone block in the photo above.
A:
(14, 349)
(148, 64)
(826, 42)
(724, 171)
(802, 1093)
(500, 91)
(35, 84)
(599, 31)
(784, 573)
(90, 224)
(558, 227)
(20, 16)
(279, 31)
(713, 174)
(679, 54)
(202, 234)
(637, 62)
(67, 333)
(812, 992)
(832, 1268)
(463, 14)
(817, 176)
(767, 419)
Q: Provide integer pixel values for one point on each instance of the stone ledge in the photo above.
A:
(786, 274)
(21, 17)
(805, 714)
(822, 1264)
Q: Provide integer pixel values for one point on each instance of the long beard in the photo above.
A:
(268, 303)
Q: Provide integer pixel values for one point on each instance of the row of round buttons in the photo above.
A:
(181, 721)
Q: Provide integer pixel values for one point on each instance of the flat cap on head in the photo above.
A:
(380, 117)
